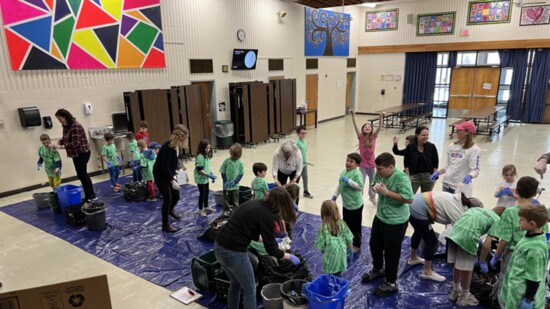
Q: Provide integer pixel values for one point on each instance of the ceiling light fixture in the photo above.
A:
(369, 4)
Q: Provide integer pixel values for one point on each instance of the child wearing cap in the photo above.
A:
(462, 159)
(154, 146)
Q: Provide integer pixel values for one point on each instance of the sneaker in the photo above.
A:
(202, 213)
(208, 210)
(386, 289)
(373, 200)
(466, 300)
(417, 261)
(151, 199)
(454, 295)
(433, 276)
(373, 274)
(355, 249)
(307, 195)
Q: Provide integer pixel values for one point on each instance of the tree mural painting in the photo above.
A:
(327, 33)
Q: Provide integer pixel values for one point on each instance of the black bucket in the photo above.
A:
(245, 194)
(95, 215)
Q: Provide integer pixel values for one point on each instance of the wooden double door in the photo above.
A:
(473, 88)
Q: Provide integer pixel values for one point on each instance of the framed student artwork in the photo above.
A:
(489, 12)
(382, 20)
(535, 15)
(435, 24)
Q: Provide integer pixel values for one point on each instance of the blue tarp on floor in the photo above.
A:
(134, 242)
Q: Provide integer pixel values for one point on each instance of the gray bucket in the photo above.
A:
(271, 296)
(218, 197)
(95, 216)
(42, 200)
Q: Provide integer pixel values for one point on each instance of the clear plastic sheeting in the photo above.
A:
(133, 241)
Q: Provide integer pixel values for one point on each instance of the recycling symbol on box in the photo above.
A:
(76, 300)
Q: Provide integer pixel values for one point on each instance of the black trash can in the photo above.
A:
(292, 293)
(245, 194)
(224, 133)
(54, 203)
(95, 215)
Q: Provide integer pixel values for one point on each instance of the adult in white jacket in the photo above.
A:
(462, 159)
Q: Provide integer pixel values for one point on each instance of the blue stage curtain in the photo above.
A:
(452, 59)
(419, 81)
(517, 60)
(537, 91)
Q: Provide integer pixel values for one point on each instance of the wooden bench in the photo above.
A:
(496, 126)
(416, 119)
(452, 125)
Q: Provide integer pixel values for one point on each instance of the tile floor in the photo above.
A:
(30, 257)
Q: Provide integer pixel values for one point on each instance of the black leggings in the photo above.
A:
(203, 195)
(283, 178)
(423, 231)
(81, 166)
(170, 198)
(353, 219)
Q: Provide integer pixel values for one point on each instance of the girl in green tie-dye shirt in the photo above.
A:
(334, 239)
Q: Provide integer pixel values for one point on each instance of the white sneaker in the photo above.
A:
(454, 295)
(433, 276)
(467, 300)
(202, 213)
(208, 210)
(417, 261)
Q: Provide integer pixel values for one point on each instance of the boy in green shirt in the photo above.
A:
(524, 283)
(302, 145)
(390, 223)
(259, 185)
(135, 156)
(49, 157)
(350, 185)
(148, 158)
(109, 156)
(508, 230)
(232, 172)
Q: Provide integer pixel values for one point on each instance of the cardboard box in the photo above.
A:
(88, 293)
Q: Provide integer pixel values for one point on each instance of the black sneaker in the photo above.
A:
(373, 274)
(386, 289)
(307, 195)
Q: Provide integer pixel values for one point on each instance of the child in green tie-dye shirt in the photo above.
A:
(232, 171)
(49, 157)
(259, 185)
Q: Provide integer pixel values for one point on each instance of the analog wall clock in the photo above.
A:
(241, 35)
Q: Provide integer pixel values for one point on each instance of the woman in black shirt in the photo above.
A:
(250, 221)
(421, 160)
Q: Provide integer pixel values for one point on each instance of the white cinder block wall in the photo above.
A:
(193, 29)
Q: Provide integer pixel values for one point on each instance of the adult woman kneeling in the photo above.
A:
(250, 221)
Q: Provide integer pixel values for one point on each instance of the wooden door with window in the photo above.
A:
(206, 99)
(473, 88)
(312, 91)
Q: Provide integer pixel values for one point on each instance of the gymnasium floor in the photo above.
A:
(30, 257)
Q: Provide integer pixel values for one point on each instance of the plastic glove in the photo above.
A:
(131, 162)
(494, 261)
(434, 176)
(526, 304)
(499, 193)
(212, 176)
(467, 179)
(540, 167)
(344, 179)
(294, 259)
(39, 166)
(57, 171)
(534, 201)
(278, 239)
(281, 235)
(333, 198)
(175, 185)
(349, 252)
(507, 191)
(109, 164)
(120, 160)
(483, 268)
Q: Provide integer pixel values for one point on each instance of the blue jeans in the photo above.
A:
(238, 268)
(136, 171)
(113, 173)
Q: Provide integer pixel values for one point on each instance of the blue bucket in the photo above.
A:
(69, 195)
(327, 292)
(271, 186)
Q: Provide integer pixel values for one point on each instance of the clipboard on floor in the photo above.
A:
(186, 295)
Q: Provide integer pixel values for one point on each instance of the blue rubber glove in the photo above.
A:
(212, 176)
(281, 234)
(39, 166)
(278, 239)
(494, 261)
(294, 259)
(333, 198)
(534, 201)
(344, 179)
(499, 193)
(120, 160)
(434, 176)
(467, 179)
(132, 163)
(507, 191)
(109, 164)
(483, 268)
(526, 304)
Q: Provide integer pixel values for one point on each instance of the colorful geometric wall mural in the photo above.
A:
(83, 34)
